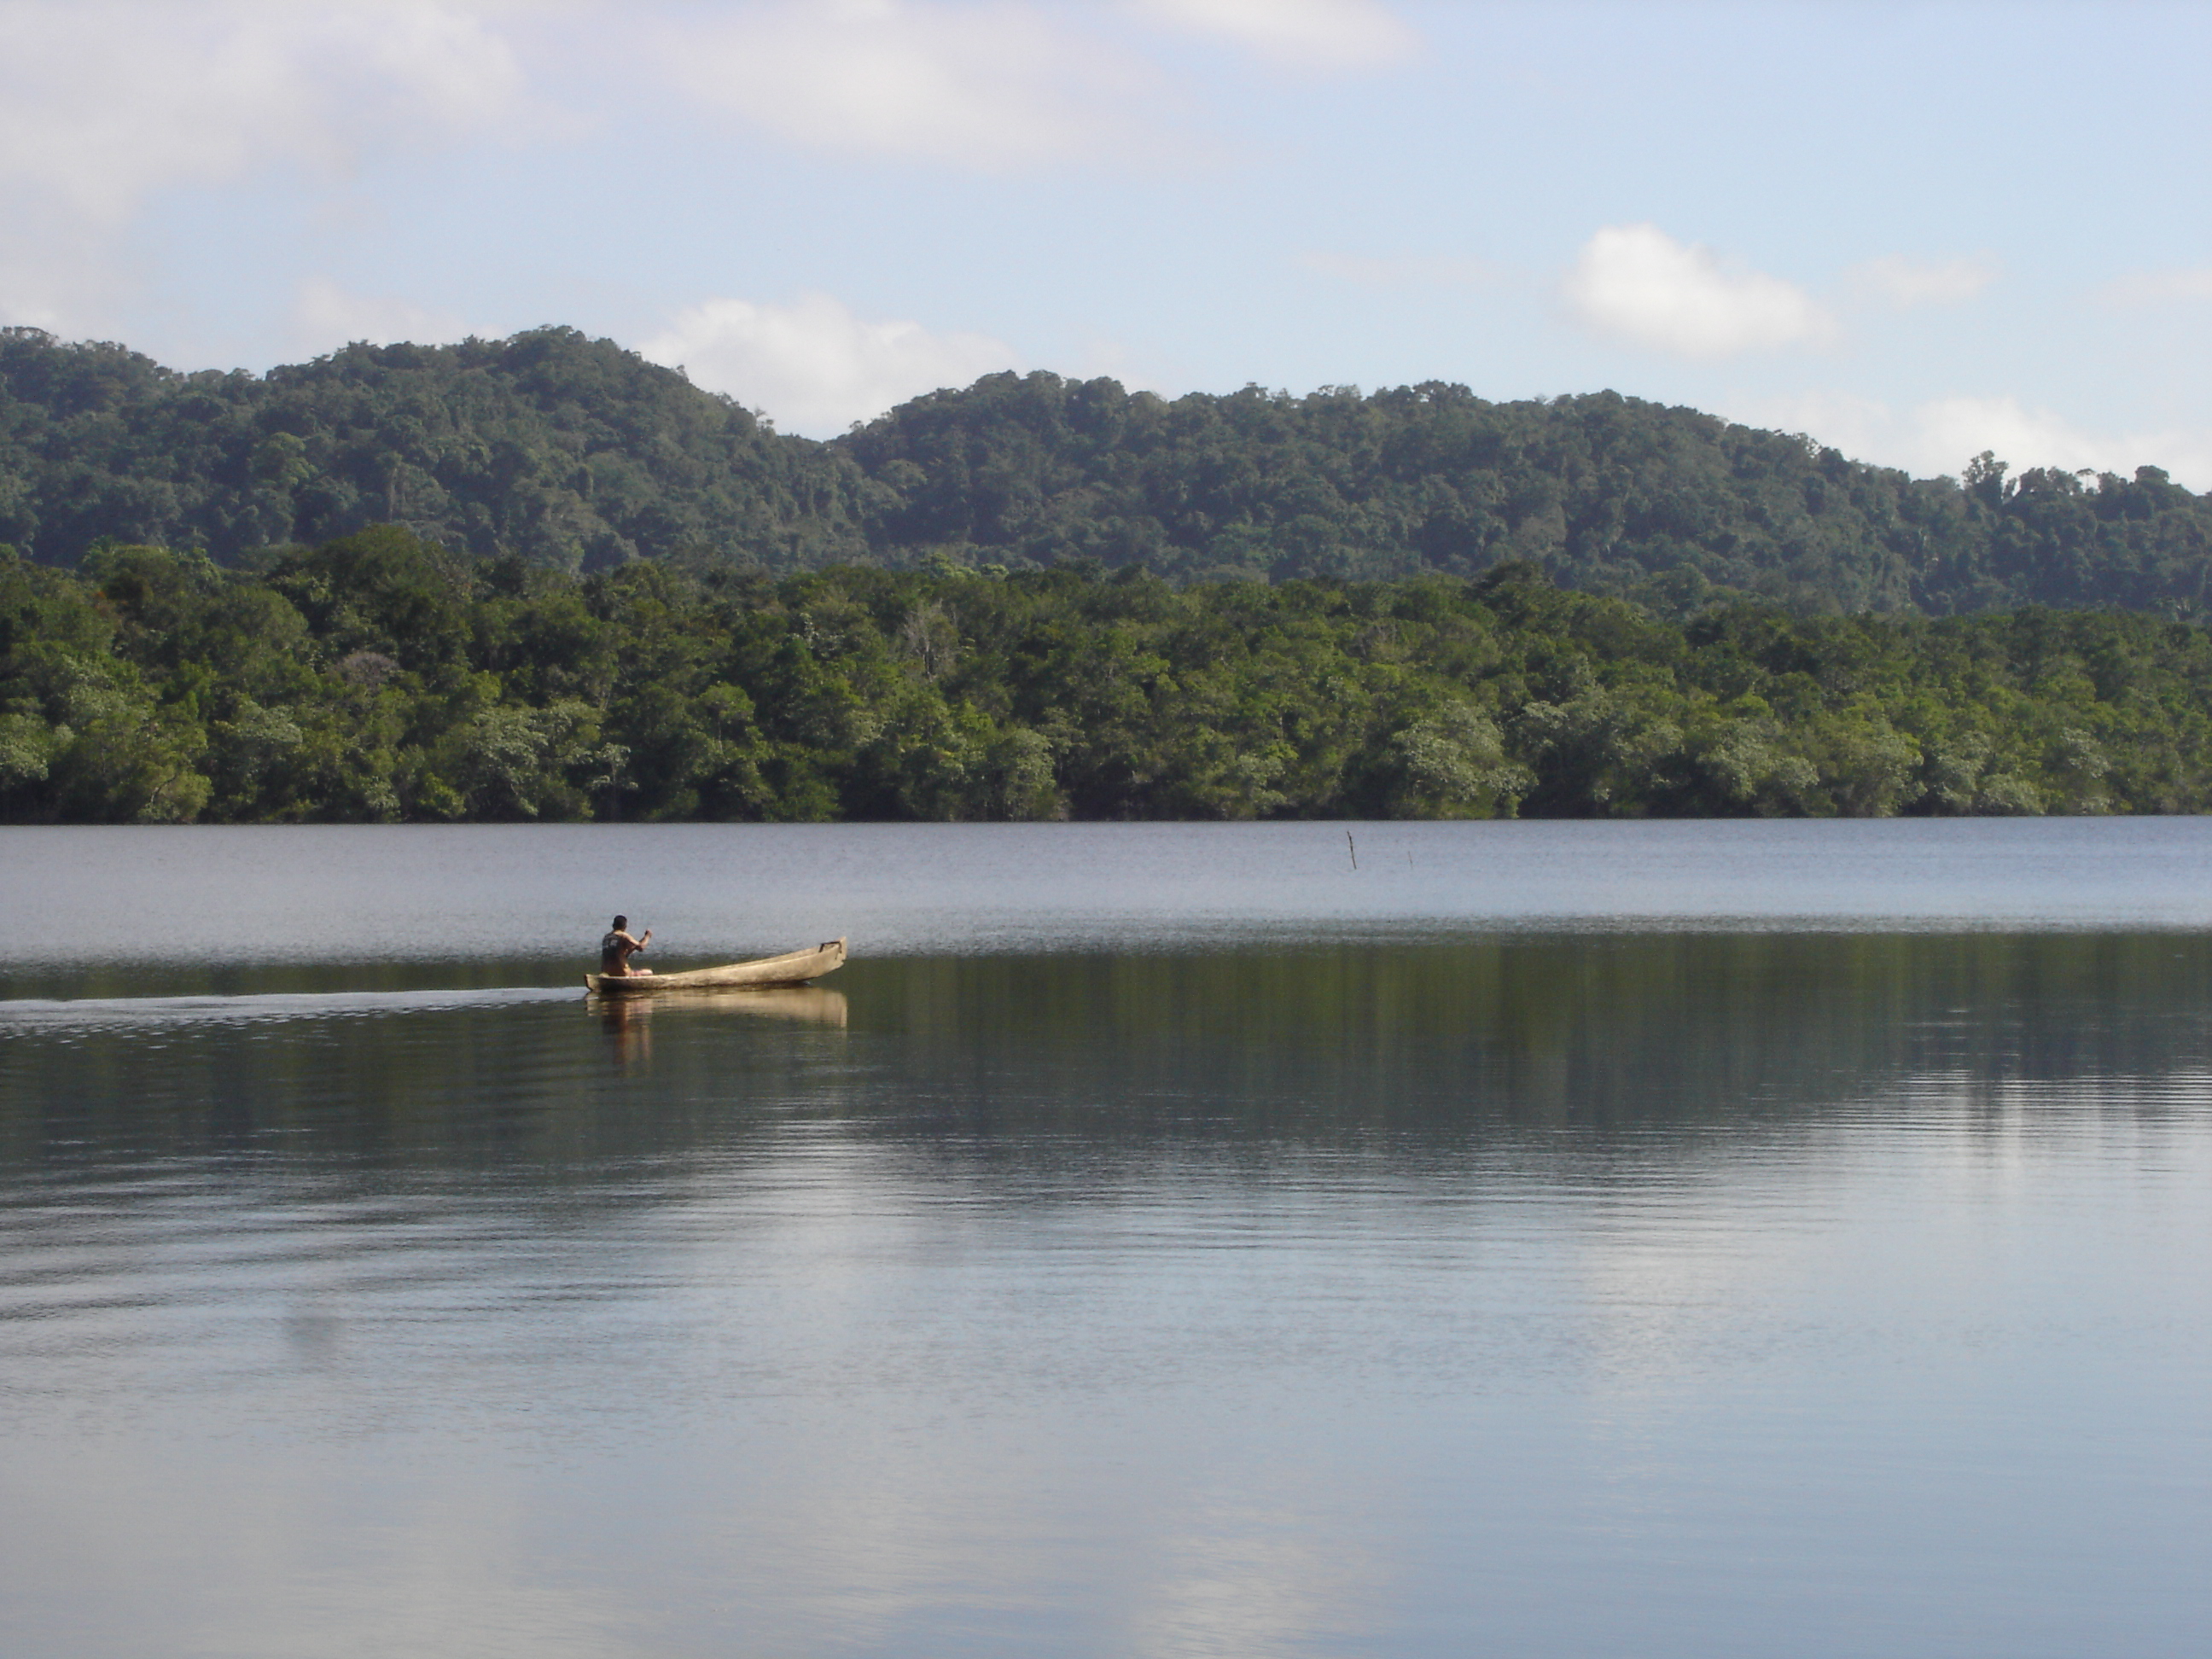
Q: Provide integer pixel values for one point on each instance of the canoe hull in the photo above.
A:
(791, 967)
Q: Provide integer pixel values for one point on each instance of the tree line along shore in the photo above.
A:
(380, 678)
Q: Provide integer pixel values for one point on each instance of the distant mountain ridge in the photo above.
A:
(561, 450)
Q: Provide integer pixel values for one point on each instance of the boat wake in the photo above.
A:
(46, 1013)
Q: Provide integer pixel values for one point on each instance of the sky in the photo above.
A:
(1913, 231)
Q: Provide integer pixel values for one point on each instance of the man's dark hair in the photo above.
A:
(621, 922)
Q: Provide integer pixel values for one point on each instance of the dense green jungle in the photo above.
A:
(575, 455)
(381, 677)
(542, 578)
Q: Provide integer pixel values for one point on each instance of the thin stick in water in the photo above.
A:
(1354, 846)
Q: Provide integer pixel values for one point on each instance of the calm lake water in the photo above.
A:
(1542, 1239)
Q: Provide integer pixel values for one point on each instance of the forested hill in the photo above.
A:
(572, 453)
(563, 450)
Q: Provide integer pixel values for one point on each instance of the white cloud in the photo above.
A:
(994, 85)
(1637, 284)
(102, 102)
(1941, 435)
(1903, 283)
(1962, 427)
(814, 366)
(325, 316)
(1001, 85)
(2147, 288)
(1308, 33)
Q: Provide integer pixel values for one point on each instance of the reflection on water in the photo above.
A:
(1435, 1042)
(1664, 1293)
(627, 1020)
(816, 1004)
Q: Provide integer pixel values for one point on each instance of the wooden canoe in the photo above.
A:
(791, 967)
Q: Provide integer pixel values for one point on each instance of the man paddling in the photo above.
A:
(619, 947)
